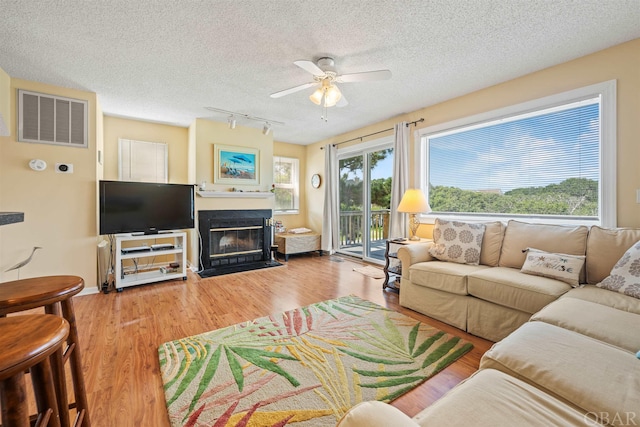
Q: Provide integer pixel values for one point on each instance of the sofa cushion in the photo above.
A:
(444, 306)
(563, 267)
(625, 275)
(605, 297)
(605, 246)
(457, 241)
(615, 327)
(490, 398)
(492, 321)
(375, 414)
(492, 243)
(593, 376)
(445, 276)
(511, 288)
(551, 238)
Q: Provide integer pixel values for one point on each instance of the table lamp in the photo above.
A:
(413, 202)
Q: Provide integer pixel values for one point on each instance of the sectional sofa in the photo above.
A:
(495, 297)
(567, 353)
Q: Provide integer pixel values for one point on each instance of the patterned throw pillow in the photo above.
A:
(563, 267)
(625, 275)
(457, 241)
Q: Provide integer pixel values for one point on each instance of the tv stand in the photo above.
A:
(147, 268)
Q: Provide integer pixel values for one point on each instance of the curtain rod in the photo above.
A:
(374, 133)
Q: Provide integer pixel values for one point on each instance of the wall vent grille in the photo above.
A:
(49, 119)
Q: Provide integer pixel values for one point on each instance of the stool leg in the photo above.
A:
(79, 390)
(13, 400)
(60, 383)
(45, 392)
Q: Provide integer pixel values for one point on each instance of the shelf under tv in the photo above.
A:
(124, 277)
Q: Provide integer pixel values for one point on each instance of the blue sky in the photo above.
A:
(531, 152)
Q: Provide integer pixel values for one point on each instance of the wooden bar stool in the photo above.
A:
(54, 293)
(27, 342)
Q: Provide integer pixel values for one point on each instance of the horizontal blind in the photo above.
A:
(543, 162)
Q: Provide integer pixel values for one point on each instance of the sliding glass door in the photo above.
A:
(364, 196)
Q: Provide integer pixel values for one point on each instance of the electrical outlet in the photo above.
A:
(64, 167)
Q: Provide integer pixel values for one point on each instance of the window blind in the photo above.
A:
(544, 162)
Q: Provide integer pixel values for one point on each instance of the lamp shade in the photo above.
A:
(332, 96)
(414, 201)
(316, 97)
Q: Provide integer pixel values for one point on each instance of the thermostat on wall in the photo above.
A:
(64, 168)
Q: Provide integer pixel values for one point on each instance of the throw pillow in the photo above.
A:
(625, 275)
(457, 241)
(563, 267)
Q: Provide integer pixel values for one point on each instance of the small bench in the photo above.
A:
(297, 243)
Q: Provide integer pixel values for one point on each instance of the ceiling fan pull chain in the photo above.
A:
(325, 116)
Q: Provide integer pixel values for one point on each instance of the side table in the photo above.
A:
(393, 266)
(297, 243)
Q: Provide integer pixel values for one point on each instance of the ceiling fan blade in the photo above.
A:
(292, 90)
(367, 76)
(343, 102)
(309, 67)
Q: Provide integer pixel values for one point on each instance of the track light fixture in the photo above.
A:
(232, 119)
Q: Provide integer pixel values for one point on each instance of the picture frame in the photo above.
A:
(236, 165)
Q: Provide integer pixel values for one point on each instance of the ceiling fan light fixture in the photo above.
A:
(316, 97)
(332, 96)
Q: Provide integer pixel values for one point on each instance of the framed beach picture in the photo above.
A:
(236, 165)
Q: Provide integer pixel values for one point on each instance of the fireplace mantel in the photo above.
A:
(236, 194)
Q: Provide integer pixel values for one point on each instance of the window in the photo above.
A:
(549, 160)
(142, 161)
(285, 179)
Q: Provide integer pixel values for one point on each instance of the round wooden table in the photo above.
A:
(54, 293)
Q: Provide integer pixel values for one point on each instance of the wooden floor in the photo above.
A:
(120, 332)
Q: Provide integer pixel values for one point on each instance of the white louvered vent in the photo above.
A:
(49, 119)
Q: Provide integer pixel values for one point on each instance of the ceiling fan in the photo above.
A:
(325, 78)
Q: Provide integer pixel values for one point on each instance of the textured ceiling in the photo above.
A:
(166, 60)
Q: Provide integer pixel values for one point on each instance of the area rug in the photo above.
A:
(304, 367)
(370, 271)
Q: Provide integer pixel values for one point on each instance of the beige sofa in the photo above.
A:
(573, 362)
(494, 298)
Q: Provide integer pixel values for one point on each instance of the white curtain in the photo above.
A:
(331, 218)
(400, 180)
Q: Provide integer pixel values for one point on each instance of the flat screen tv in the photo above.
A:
(143, 207)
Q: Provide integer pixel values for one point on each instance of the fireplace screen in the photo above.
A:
(235, 241)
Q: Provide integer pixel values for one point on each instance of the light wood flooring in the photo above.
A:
(120, 332)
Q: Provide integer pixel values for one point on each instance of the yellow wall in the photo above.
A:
(5, 99)
(59, 209)
(297, 152)
(203, 136)
(175, 137)
(620, 62)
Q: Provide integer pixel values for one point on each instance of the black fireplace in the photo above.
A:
(234, 241)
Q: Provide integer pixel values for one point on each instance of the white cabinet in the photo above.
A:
(147, 255)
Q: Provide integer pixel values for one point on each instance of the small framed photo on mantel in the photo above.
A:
(236, 165)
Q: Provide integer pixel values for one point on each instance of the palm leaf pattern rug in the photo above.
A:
(304, 367)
